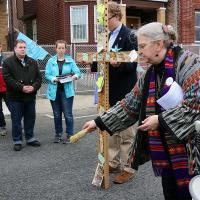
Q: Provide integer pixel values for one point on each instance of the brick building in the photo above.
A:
(3, 24)
(189, 21)
(74, 20)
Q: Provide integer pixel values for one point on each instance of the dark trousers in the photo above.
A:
(2, 118)
(170, 189)
(19, 110)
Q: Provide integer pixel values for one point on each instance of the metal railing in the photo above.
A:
(87, 81)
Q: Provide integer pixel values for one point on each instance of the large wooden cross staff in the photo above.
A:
(103, 57)
(102, 171)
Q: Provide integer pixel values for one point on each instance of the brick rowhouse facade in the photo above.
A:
(3, 24)
(53, 17)
(54, 20)
(187, 20)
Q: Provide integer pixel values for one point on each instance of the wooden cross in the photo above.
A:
(103, 58)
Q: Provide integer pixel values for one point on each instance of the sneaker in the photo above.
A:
(17, 147)
(3, 131)
(57, 140)
(34, 143)
(66, 140)
(123, 177)
(113, 170)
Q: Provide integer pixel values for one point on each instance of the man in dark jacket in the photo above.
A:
(122, 78)
(23, 79)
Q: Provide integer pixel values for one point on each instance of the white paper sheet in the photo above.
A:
(172, 98)
(65, 79)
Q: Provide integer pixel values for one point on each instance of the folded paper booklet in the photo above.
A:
(172, 98)
(65, 79)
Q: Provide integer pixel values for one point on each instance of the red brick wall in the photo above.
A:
(17, 12)
(186, 21)
(3, 25)
(59, 20)
(19, 7)
(53, 20)
(196, 8)
(30, 7)
(46, 27)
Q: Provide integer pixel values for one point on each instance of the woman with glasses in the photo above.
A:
(166, 101)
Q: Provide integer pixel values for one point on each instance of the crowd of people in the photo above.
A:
(140, 125)
(23, 79)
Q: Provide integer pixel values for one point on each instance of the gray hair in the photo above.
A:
(156, 31)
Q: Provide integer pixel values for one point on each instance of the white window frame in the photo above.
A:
(196, 12)
(95, 23)
(71, 25)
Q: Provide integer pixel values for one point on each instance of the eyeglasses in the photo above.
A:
(111, 17)
(143, 46)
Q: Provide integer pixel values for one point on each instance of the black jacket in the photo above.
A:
(16, 76)
(121, 79)
(1, 59)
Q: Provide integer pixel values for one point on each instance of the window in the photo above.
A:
(95, 23)
(197, 26)
(79, 23)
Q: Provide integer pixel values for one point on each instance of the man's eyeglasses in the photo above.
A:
(111, 17)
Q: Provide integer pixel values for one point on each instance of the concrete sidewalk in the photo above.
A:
(43, 105)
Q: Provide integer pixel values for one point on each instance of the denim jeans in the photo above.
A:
(2, 118)
(64, 105)
(19, 110)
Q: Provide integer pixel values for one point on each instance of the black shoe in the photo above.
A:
(57, 140)
(34, 143)
(17, 147)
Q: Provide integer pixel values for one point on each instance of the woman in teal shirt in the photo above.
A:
(60, 72)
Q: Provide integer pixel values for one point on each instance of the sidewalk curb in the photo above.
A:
(43, 105)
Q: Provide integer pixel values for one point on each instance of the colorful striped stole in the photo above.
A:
(168, 155)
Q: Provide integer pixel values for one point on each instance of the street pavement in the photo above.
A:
(58, 171)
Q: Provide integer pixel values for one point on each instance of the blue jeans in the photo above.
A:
(64, 105)
(19, 110)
